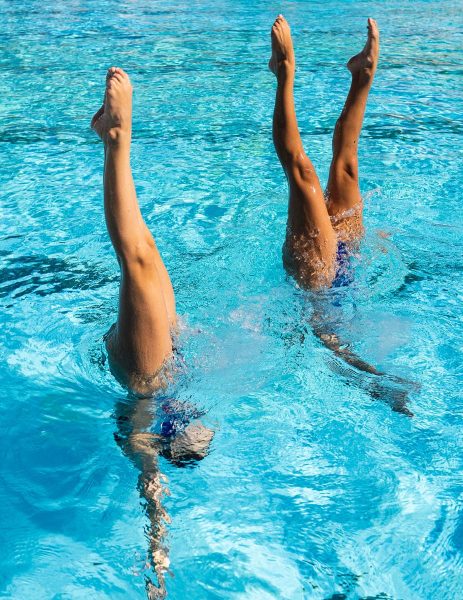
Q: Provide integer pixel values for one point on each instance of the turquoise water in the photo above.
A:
(312, 489)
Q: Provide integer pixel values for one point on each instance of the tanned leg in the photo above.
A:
(141, 340)
(343, 192)
(310, 246)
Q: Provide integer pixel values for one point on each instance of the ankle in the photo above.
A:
(286, 67)
(118, 137)
(363, 77)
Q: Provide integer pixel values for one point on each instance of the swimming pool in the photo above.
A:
(312, 489)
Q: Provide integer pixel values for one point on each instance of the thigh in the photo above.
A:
(344, 201)
(141, 341)
(166, 285)
(310, 245)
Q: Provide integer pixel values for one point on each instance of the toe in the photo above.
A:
(123, 74)
(109, 78)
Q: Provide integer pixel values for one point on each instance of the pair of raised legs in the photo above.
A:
(321, 227)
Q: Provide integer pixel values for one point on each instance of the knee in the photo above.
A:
(139, 254)
(301, 169)
(346, 167)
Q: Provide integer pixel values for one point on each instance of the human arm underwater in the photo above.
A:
(391, 389)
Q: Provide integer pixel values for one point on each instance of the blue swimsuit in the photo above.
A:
(175, 416)
(344, 275)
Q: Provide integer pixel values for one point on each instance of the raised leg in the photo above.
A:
(141, 340)
(310, 246)
(343, 192)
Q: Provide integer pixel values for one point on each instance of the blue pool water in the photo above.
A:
(313, 489)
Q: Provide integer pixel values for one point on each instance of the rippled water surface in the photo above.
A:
(314, 487)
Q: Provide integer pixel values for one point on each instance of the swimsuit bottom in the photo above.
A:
(344, 272)
(171, 418)
(174, 416)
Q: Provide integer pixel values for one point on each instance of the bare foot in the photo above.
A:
(113, 121)
(282, 46)
(364, 63)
